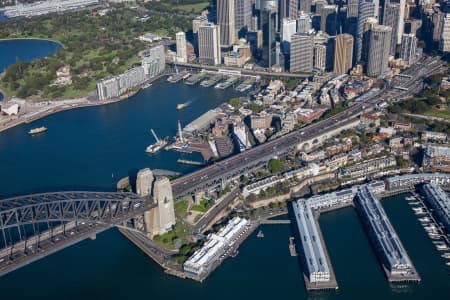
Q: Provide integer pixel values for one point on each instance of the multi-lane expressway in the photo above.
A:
(257, 156)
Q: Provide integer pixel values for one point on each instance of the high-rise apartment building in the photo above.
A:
(343, 53)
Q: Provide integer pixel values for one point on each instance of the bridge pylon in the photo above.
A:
(161, 218)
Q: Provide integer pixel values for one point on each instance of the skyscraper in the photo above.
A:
(288, 27)
(366, 9)
(438, 22)
(401, 18)
(304, 23)
(328, 19)
(209, 44)
(351, 18)
(343, 56)
(196, 23)
(283, 9)
(320, 57)
(352, 8)
(225, 20)
(254, 24)
(293, 9)
(444, 42)
(323, 52)
(268, 17)
(391, 18)
(368, 25)
(302, 53)
(380, 40)
(305, 5)
(181, 47)
(243, 16)
(408, 47)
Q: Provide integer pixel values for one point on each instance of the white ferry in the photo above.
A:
(37, 130)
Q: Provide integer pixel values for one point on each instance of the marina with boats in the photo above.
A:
(432, 226)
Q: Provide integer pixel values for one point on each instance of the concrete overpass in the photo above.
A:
(243, 71)
(301, 140)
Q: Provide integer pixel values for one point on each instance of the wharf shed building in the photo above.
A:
(319, 269)
(405, 183)
(316, 262)
(440, 202)
(206, 258)
(396, 262)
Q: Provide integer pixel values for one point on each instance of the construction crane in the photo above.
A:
(155, 136)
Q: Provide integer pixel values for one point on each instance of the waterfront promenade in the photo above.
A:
(56, 106)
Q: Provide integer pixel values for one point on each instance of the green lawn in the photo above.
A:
(181, 208)
(204, 205)
(445, 114)
(196, 8)
(166, 240)
(74, 93)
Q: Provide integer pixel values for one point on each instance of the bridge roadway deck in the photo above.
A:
(68, 217)
(261, 154)
(15, 258)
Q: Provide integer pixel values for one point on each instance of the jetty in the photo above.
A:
(212, 81)
(189, 162)
(196, 78)
(229, 82)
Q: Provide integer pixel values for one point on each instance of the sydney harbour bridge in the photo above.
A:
(34, 226)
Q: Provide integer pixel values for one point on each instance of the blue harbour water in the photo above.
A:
(92, 147)
(25, 50)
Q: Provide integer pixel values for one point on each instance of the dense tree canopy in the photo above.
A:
(98, 45)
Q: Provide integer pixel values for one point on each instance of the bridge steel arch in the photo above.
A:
(34, 226)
